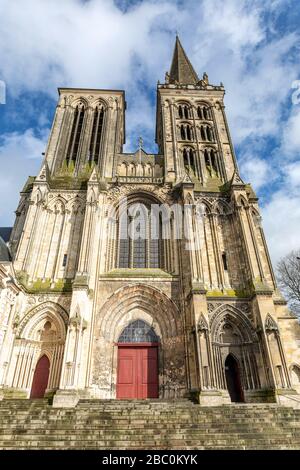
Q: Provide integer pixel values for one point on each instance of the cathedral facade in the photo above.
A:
(143, 275)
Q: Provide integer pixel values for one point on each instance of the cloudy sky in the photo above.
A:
(253, 47)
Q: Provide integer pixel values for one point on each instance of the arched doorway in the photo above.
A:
(40, 378)
(137, 374)
(233, 379)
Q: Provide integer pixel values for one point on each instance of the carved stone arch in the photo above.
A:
(185, 122)
(79, 101)
(38, 197)
(203, 103)
(294, 370)
(99, 102)
(91, 196)
(183, 102)
(141, 296)
(202, 324)
(75, 204)
(42, 331)
(206, 205)
(270, 324)
(23, 204)
(256, 217)
(29, 324)
(149, 304)
(141, 196)
(231, 315)
(242, 201)
(189, 199)
(57, 203)
(222, 207)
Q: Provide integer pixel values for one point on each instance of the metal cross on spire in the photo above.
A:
(140, 152)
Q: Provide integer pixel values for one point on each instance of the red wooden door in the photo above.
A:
(40, 378)
(137, 371)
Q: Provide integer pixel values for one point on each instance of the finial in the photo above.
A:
(141, 142)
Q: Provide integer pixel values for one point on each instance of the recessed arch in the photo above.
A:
(149, 304)
(42, 332)
(30, 323)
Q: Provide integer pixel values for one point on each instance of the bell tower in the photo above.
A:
(192, 130)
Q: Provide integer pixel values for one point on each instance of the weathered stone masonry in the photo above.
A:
(71, 287)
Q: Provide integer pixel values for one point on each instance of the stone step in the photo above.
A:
(150, 424)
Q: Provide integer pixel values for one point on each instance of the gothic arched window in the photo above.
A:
(202, 132)
(182, 132)
(188, 159)
(140, 238)
(138, 332)
(211, 162)
(180, 113)
(203, 112)
(209, 133)
(74, 141)
(95, 142)
(186, 132)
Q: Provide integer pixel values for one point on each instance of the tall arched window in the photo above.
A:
(186, 112)
(186, 132)
(182, 132)
(189, 160)
(211, 162)
(203, 112)
(138, 332)
(73, 147)
(209, 133)
(140, 238)
(94, 149)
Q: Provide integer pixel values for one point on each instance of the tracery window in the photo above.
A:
(140, 243)
(138, 332)
(184, 111)
(97, 130)
(76, 131)
(186, 132)
(203, 112)
(210, 158)
(207, 133)
(189, 159)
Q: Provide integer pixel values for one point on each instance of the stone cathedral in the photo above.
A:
(89, 311)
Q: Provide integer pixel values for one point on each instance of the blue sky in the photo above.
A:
(253, 47)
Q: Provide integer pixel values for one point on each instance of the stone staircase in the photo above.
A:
(147, 424)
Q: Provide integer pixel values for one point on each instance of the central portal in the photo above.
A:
(137, 375)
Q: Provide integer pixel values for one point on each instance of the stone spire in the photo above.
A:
(182, 70)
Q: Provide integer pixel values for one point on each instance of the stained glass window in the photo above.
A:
(138, 332)
(138, 247)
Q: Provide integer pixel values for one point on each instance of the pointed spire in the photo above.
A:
(43, 175)
(182, 70)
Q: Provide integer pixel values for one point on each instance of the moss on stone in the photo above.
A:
(239, 293)
(138, 272)
(43, 285)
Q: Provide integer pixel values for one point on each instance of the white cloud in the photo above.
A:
(20, 156)
(52, 43)
(293, 176)
(291, 134)
(255, 170)
(281, 221)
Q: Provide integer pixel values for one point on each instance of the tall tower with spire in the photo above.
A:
(140, 275)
